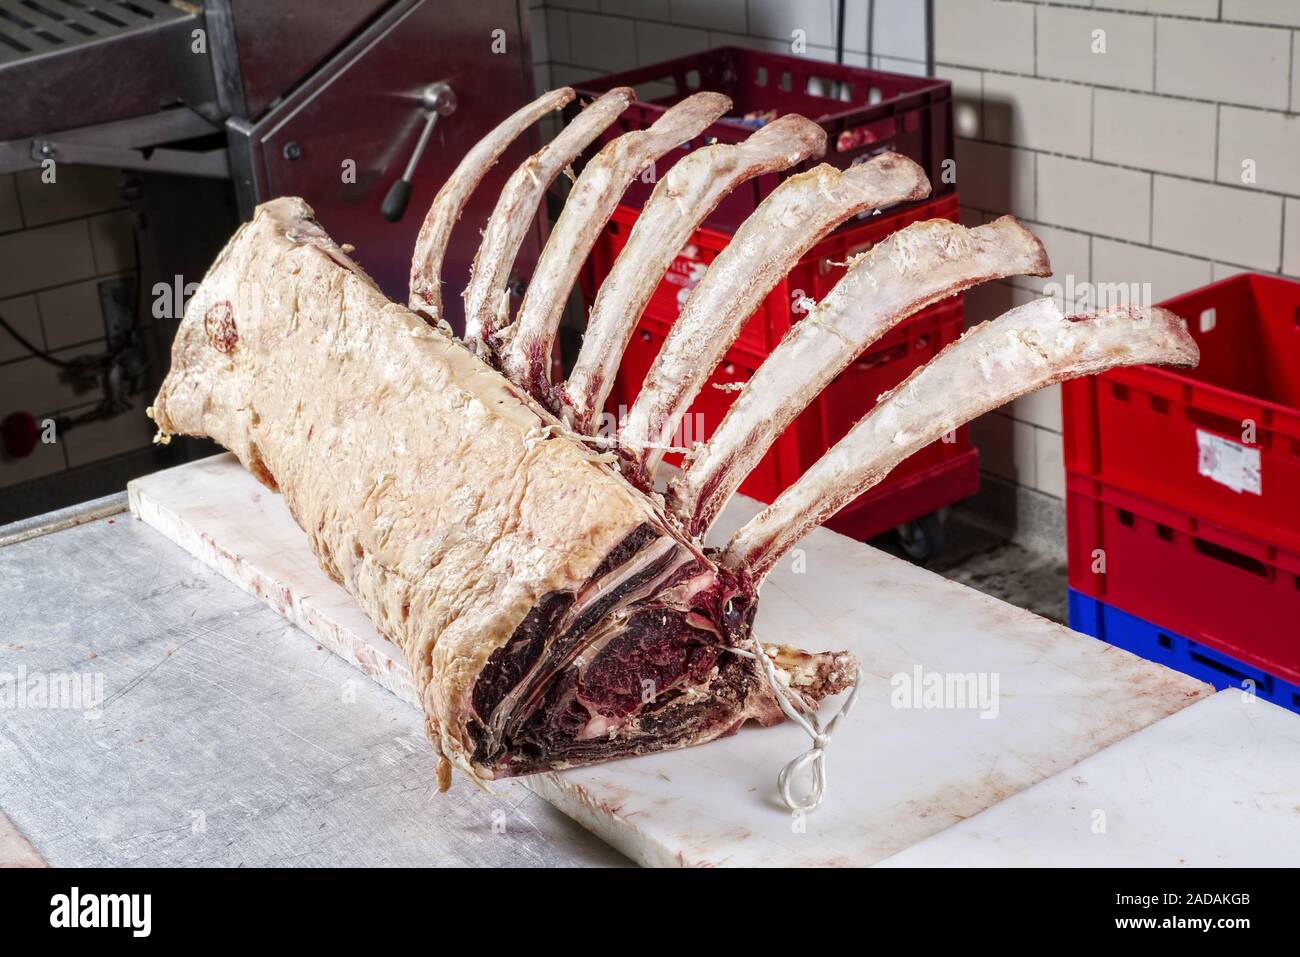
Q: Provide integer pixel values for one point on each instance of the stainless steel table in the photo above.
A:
(225, 736)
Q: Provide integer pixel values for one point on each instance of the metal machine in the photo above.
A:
(362, 107)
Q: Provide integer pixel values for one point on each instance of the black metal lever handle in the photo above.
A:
(437, 99)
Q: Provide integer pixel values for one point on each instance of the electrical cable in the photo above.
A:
(37, 352)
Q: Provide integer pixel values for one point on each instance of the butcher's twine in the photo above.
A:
(814, 757)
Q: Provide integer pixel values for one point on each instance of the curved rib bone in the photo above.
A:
(486, 302)
(526, 357)
(768, 244)
(913, 268)
(1026, 349)
(435, 232)
(681, 201)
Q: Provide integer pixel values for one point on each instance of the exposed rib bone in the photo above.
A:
(1026, 349)
(435, 232)
(526, 357)
(486, 305)
(913, 268)
(681, 201)
(768, 244)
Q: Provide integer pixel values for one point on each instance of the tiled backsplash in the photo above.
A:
(58, 242)
(1128, 163)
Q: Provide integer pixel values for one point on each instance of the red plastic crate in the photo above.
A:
(813, 276)
(1232, 592)
(864, 112)
(1158, 432)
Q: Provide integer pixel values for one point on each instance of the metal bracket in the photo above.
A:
(130, 144)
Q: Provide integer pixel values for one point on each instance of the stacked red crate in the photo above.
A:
(1183, 492)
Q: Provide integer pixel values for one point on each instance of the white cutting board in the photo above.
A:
(1216, 785)
(897, 775)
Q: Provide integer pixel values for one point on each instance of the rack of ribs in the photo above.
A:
(554, 608)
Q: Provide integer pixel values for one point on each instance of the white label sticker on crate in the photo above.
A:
(1228, 463)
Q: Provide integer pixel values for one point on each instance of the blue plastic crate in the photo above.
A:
(1163, 646)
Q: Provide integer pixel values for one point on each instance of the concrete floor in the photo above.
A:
(995, 566)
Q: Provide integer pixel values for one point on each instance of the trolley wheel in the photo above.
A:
(922, 539)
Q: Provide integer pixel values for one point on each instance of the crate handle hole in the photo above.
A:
(1297, 317)
(1209, 317)
(1164, 532)
(692, 79)
(1120, 392)
(874, 95)
(786, 83)
(1126, 518)
(1225, 669)
(1231, 557)
(760, 76)
(1164, 640)
(1159, 405)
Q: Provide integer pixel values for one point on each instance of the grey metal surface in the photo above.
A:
(67, 64)
(225, 737)
(280, 43)
(73, 515)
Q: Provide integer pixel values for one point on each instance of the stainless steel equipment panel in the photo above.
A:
(362, 113)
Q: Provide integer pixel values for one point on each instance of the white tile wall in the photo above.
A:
(1007, 447)
(22, 313)
(1069, 252)
(1270, 141)
(1049, 461)
(1154, 132)
(72, 314)
(1168, 273)
(1295, 73)
(1094, 197)
(1182, 8)
(898, 28)
(1232, 225)
(968, 98)
(607, 44)
(1068, 42)
(996, 178)
(57, 240)
(778, 19)
(1272, 12)
(77, 191)
(1037, 114)
(990, 34)
(726, 15)
(1041, 408)
(45, 256)
(1223, 62)
(1291, 244)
